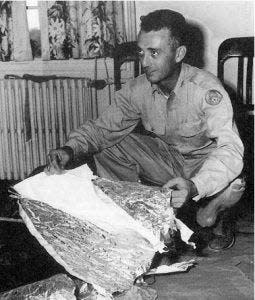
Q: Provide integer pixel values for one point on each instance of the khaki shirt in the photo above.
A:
(197, 120)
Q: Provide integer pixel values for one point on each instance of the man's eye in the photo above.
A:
(154, 53)
(140, 53)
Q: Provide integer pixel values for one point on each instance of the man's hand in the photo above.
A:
(183, 190)
(57, 160)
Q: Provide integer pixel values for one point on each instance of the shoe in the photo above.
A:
(223, 233)
(222, 242)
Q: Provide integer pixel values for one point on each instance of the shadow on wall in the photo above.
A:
(195, 46)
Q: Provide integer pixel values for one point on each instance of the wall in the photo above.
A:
(217, 20)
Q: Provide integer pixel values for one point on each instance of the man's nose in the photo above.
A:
(145, 61)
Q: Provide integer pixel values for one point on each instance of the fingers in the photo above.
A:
(173, 182)
(178, 198)
(54, 163)
(52, 169)
(181, 190)
(177, 203)
(179, 194)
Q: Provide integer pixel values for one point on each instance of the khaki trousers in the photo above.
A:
(151, 159)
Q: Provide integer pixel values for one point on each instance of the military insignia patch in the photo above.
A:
(213, 97)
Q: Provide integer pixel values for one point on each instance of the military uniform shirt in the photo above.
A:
(196, 119)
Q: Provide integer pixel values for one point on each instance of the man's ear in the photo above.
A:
(180, 53)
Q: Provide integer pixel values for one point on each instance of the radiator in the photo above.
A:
(36, 117)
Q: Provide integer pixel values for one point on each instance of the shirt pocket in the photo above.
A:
(191, 129)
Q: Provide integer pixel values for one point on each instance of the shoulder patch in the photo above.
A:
(213, 97)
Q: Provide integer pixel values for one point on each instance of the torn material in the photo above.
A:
(105, 233)
(174, 268)
(59, 286)
(148, 205)
(110, 262)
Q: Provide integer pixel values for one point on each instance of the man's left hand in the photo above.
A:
(183, 190)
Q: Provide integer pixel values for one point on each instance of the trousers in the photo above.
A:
(143, 157)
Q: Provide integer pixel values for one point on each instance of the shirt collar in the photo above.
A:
(179, 82)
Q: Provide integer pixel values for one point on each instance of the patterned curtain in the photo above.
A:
(14, 34)
(6, 31)
(84, 29)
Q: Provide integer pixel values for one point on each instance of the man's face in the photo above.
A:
(157, 55)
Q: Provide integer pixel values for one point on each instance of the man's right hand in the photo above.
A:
(57, 160)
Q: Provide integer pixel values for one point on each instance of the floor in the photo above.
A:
(226, 275)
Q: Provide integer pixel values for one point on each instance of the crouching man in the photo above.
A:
(192, 144)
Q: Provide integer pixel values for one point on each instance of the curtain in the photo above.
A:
(21, 39)
(84, 29)
(69, 29)
(6, 31)
(14, 34)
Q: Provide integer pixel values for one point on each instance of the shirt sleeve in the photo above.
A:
(116, 122)
(225, 162)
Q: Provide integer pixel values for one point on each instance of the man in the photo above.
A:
(193, 146)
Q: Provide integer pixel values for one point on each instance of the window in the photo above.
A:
(34, 27)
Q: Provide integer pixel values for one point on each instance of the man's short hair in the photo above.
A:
(165, 18)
